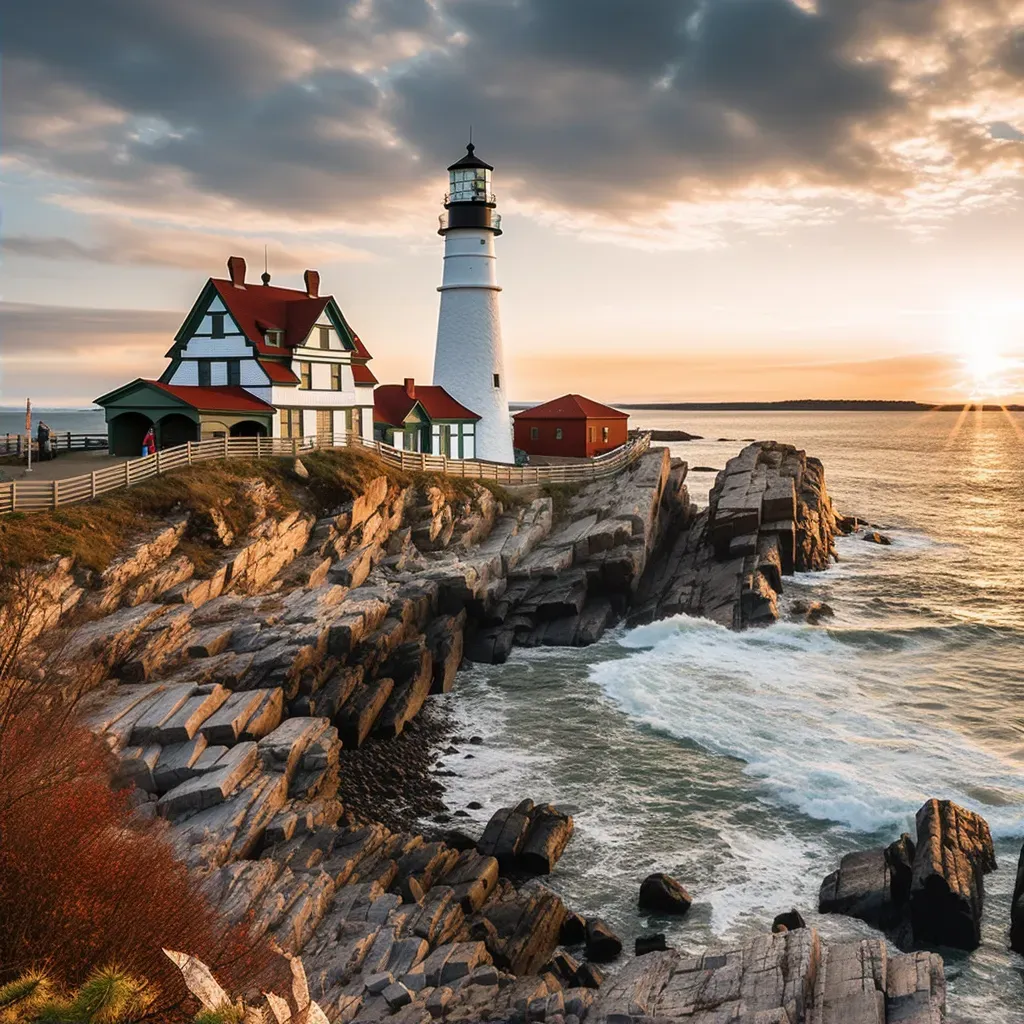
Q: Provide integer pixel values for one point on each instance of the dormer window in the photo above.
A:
(325, 337)
(273, 338)
(216, 325)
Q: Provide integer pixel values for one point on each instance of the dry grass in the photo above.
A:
(96, 531)
(561, 495)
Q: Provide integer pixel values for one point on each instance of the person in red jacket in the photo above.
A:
(149, 443)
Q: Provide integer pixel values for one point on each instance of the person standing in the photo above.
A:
(149, 443)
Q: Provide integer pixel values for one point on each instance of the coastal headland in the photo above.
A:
(260, 656)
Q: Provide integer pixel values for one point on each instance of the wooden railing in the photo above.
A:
(61, 441)
(41, 495)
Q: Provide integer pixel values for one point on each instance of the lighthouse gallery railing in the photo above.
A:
(42, 495)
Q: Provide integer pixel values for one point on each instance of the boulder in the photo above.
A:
(603, 945)
(662, 894)
(1017, 908)
(874, 537)
(954, 851)
(549, 833)
(650, 944)
(789, 921)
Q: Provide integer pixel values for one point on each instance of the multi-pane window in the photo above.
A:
(291, 423)
(234, 371)
(204, 373)
(558, 433)
(335, 376)
(216, 325)
(357, 421)
(325, 337)
(604, 433)
(534, 433)
(305, 376)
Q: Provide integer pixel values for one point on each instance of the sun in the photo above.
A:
(985, 338)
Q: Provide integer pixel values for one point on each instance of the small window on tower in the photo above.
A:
(216, 325)
(497, 380)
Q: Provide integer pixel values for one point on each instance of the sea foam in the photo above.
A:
(818, 722)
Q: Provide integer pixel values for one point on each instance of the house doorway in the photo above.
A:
(325, 427)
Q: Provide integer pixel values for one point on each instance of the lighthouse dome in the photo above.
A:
(469, 179)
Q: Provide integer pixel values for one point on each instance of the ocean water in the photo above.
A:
(75, 421)
(747, 764)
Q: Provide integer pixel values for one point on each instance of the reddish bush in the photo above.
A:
(82, 885)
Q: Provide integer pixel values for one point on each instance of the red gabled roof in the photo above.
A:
(392, 403)
(571, 407)
(258, 308)
(229, 398)
(278, 372)
(362, 374)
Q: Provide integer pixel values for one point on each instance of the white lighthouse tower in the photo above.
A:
(468, 361)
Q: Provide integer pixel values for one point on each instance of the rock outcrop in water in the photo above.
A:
(769, 516)
(1017, 908)
(930, 892)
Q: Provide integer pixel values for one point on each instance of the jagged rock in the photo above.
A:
(872, 885)
(877, 538)
(662, 894)
(548, 835)
(1017, 908)
(650, 944)
(361, 711)
(602, 943)
(954, 851)
(789, 921)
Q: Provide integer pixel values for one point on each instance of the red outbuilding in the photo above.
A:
(571, 425)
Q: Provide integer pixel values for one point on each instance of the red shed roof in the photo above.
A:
(393, 402)
(571, 407)
(228, 398)
(278, 372)
(362, 374)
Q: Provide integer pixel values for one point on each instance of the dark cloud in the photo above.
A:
(69, 329)
(345, 110)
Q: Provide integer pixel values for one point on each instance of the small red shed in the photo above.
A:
(572, 426)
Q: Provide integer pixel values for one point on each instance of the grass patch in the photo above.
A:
(95, 532)
(561, 495)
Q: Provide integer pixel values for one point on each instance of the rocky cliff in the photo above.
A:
(270, 709)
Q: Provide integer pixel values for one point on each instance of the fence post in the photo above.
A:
(14, 495)
(188, 452)
(225, 447)
(259, 447)
(93, 481)
(127, 473)
(423, 462)
(55, 493)
(295, 446)
(159, 464)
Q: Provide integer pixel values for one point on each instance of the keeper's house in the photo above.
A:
(424, 418)
(251, 360)
(571, 426)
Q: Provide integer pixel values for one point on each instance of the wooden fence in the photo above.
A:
(41, 495)
(62, 441)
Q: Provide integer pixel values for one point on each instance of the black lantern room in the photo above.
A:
(470, 202)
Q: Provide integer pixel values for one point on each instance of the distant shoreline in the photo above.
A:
(813, 405)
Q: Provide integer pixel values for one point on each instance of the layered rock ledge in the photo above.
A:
(262, 706)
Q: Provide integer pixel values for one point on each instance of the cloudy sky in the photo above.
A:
(703, 199)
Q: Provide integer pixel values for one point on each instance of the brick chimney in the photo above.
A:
(410, 387)
(236, 271)
(312, 279)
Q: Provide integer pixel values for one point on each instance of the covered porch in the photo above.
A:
(178, 414)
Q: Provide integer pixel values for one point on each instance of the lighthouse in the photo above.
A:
(468, 360)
